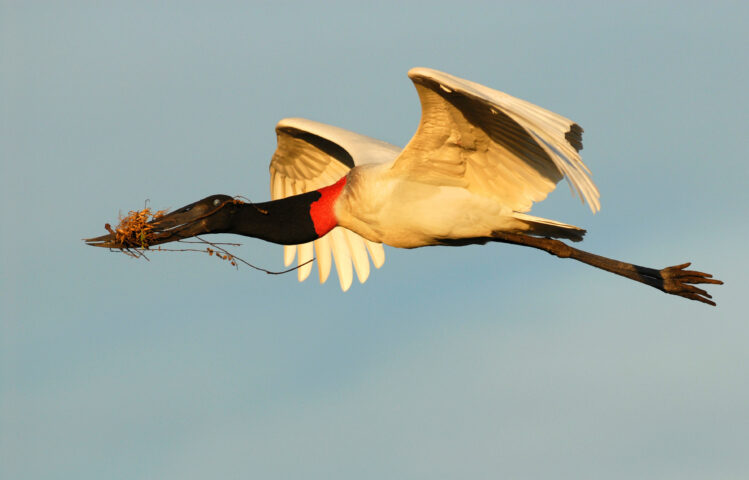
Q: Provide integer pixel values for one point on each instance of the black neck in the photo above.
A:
(286, 221)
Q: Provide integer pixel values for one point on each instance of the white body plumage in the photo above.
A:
(385, 208)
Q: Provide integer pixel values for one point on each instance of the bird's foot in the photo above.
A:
(678, 281)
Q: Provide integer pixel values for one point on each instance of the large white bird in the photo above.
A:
(479, 160)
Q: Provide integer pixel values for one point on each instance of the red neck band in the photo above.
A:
(321, 210)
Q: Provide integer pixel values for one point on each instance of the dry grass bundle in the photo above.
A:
(133, 231)
(133, 234)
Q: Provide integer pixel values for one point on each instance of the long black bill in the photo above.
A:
(203, 216)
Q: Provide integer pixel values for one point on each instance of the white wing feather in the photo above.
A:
(493, 144)
(312, 155)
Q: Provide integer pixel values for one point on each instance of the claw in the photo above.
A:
(678, 281)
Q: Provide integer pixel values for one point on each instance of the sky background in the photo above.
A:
(478, 362)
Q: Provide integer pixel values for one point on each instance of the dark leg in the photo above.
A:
(673, 280)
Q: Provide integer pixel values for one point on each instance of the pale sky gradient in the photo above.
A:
(481, 362)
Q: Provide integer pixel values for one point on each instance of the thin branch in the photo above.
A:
(139, 252)
(269, 272)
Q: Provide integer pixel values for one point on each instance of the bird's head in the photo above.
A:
(214, 214)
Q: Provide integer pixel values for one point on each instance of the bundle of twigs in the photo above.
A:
(133, 236)
(134, 231)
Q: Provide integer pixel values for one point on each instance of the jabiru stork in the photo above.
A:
(478, 161)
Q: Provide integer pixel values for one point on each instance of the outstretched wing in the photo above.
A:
(312, 155)
(493, 144)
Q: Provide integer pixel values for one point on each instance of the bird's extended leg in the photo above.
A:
(673, 280)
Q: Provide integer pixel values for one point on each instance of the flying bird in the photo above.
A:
(478, 161)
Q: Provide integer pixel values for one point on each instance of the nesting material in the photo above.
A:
(222, 256)
(133, 231)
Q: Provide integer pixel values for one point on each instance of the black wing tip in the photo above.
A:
(575, 136)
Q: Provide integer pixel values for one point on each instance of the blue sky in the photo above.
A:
(476, 362)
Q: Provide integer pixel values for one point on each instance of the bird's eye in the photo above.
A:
(216, 202)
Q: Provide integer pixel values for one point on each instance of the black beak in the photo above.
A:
(191, 220)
